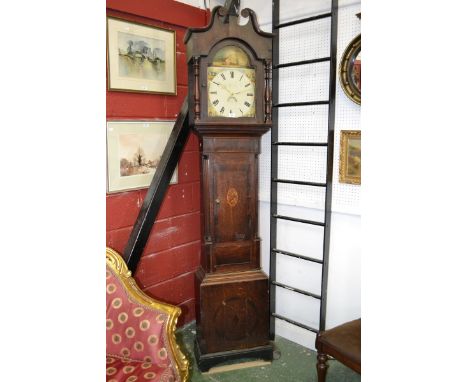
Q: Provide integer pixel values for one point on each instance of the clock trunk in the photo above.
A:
(233, 310)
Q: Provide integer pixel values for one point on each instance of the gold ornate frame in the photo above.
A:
(117, 264)
(346, 67)
(344, 138)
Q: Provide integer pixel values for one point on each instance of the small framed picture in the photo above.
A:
(140, 58)
(350, 156)
(134, 149)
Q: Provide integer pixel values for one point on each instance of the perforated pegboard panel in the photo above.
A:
(264, 168)
(297, 9)
(346, 197)
(303, 124)
(302, 163)
(303, 41)
(305, 82)
(309, 123)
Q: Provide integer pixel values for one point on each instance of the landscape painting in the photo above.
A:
(134, 150)
(140, 58)
(139, 154)
(350, 157)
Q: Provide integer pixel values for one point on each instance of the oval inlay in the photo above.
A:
(232, 197)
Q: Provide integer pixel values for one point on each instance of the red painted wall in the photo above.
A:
(172, 254)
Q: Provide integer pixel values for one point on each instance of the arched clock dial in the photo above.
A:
(231, 92)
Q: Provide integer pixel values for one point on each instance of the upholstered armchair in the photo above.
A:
(140, 340)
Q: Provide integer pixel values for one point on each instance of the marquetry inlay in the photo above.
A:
(232, 197)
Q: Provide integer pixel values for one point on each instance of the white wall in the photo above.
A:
(196, 3)
(344, 284)
(305, 41)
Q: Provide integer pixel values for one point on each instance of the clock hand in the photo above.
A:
(224, 87)
(231, 94)
(243, 90)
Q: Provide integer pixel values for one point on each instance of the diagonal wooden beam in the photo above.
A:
(157, 189)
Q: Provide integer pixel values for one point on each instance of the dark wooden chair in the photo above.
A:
(342, 343)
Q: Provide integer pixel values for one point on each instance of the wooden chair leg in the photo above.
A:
(322, 366)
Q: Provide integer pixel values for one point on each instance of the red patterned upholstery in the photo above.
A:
(118, 370)
(136, 339)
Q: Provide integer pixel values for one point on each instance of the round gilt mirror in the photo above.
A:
(350, 70)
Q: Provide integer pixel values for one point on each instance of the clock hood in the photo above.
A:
(199, 41)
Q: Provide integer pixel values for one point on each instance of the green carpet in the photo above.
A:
(296, 364)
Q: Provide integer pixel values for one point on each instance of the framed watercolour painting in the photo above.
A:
(140, 58)
(134, 149)
(350, 156)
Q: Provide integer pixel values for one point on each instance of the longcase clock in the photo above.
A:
(230, 109)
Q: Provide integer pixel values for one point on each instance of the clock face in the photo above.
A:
(231, 92)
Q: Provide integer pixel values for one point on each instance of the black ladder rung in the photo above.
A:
(297, 256)
(299, 220)
(288, 104)
(315, 184)
(304, 62)
(309, 328)
(304, 20)
(296, 290)
(318, 144)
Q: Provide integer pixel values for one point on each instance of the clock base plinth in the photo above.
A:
(206, 361)
(233, 317)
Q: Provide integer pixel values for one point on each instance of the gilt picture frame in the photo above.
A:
(140, 58)
(134, 149)
(350, 156)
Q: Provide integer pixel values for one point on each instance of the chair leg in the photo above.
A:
(322, 366)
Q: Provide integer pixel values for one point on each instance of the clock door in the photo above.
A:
(233, 210)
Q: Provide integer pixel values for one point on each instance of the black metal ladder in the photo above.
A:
(275, 143)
